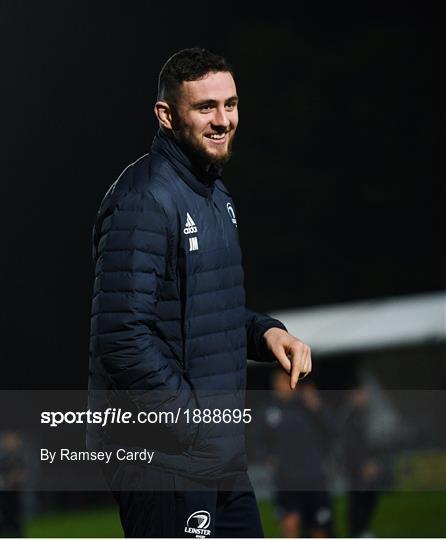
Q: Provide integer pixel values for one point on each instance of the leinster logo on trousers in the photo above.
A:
(191, 228)
(198, 523)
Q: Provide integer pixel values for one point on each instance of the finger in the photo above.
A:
(310, 360)
(306, 364)
(282, 358)
(307, 360)
(295, 372)
(297, 363)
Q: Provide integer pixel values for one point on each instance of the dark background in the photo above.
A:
(337, 171)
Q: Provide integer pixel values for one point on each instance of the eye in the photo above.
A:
(205, 108)
(231, 106)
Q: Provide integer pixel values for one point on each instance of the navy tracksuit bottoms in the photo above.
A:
(164, 505)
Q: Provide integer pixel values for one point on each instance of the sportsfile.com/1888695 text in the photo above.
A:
(114, 415)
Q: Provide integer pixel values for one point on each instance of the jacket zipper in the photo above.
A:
(217, 213)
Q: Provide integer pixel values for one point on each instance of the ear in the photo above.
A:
(163, 112)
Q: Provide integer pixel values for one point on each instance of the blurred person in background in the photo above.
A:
(295, 433)
(361, 463)
(12, 477)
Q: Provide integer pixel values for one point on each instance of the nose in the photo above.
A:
(221, 118)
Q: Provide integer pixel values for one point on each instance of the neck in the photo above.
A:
(199, 178)
(206, 171)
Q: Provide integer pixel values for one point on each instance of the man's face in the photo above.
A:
(206, 117)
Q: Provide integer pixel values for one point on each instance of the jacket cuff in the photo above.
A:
(264, 354)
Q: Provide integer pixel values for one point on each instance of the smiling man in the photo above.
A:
(203, 117)
(170, 330)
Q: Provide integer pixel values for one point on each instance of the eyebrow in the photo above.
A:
(214, 102)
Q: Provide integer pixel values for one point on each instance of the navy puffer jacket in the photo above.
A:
(169, 327)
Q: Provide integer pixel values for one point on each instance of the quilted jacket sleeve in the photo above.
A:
(131, 249)
(256, 325)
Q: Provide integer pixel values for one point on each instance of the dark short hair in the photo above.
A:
(188, 65)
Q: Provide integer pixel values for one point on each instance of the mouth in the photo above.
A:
(217, 138)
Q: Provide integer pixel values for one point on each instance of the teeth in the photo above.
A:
(215, 136)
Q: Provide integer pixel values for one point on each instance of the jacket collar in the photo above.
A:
(200, 180)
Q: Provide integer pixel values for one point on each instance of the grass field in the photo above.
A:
(397, 515)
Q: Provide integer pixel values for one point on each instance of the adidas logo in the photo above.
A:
(190, 225)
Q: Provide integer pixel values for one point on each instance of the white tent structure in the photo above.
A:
(391, 340)
(370, 325)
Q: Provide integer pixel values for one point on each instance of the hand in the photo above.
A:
(291, 353)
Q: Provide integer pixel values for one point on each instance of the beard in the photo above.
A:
(198, 152)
